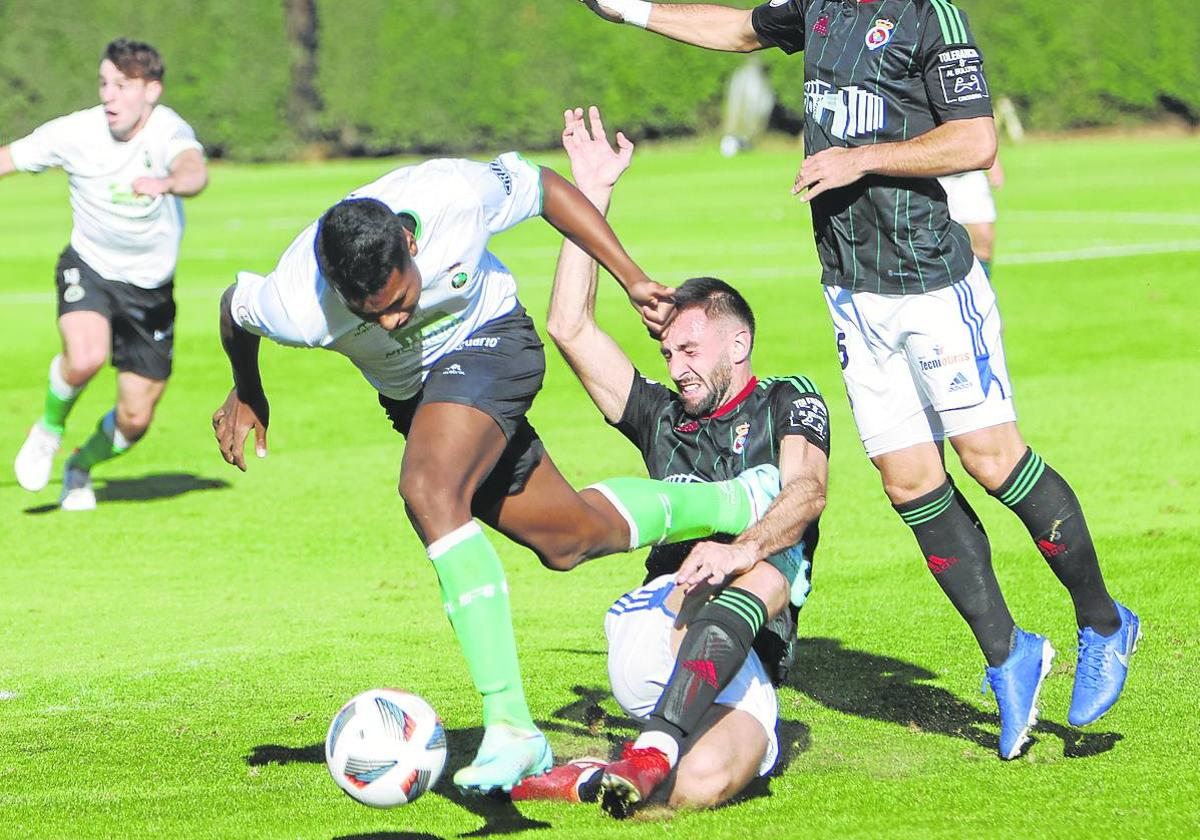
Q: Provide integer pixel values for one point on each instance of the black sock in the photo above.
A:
(1045, 503)
(712, 652)
(966, 506)
(958, 554)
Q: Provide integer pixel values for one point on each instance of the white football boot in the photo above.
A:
(77, 492)
(36, 458)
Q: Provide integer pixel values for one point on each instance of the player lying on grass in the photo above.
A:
(398, 278)
(708, 703)
(128, 161)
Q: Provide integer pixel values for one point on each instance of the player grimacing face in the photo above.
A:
(127, 101)
(393, 305)
(700, 354)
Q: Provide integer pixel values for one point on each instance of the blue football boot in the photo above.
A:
(1102, 667)
(505, 757)
(1016, 685)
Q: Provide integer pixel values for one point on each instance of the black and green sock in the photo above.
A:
(1050, 511)
(960, 558)
(106, 443)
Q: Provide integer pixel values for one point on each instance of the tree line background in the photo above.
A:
(276, 79)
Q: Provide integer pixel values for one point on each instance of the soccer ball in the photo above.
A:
(385, 747)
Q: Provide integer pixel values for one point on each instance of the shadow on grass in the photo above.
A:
(882, 688)
(500, 816)
(157, 486)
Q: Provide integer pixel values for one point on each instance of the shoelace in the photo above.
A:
(1092, 662)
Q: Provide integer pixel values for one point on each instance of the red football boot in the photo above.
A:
(632, 779)
(576, 781)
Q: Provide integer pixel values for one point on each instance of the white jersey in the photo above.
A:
(124, 237)
(457, 206)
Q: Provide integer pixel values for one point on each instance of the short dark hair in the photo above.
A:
(136, 59)
(360, 241)
(716, 298)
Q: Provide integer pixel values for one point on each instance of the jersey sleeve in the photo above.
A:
(257, 307)
(509, 188)
(780, 23)
(643, 410)
(181, 138)
(798, 408)
(43, 148)
(953, 66)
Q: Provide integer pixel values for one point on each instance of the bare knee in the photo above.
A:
(81, 363)
(704, 780)
(134, 422)
(989, 457)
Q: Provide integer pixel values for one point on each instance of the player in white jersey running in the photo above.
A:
(397, 277)
(128, 162)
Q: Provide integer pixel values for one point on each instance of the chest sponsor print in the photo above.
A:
(847, 112)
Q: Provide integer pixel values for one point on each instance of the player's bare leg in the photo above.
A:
(117, 431)
(450, 450)
(999, 459)
(720, 761)
(85, 341)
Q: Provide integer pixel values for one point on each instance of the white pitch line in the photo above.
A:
(1094, 216)
(1098, 252)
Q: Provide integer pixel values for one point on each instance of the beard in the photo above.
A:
(716, 388)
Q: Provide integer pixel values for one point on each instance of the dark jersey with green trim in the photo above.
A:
(882, 72)
(746, 432)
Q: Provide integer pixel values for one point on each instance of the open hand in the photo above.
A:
(604, 10)
(827, 170)
(712, 564)
(152, 187)
(232, 423)
(595, 165)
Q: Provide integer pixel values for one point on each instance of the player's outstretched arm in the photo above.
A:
(7, 167)
(188, 177)
(602, 367)
(707, 25)
(246, 408)
(952, 147)
(576, 218)
(804, 474)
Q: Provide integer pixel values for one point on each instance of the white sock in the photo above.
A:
(660, 741)
(59, 386)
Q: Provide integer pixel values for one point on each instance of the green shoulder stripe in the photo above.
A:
(800, 383)
(950, 20)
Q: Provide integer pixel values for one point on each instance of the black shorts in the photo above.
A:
(142, 320)
(499, 371)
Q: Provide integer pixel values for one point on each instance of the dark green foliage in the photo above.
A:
(227, 65)
(457, 75)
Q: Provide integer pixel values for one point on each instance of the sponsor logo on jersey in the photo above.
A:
(961, 72)
(941, 359)
(688, 427)
(821, 27)
(739, 442)
(159, 335)
(848, 112)
(454, 370)
(775, 3)
(499, 170)
(879, 34)
(809, 413)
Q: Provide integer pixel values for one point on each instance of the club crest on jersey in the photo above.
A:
(879, 34)
(74, 292)
(739, 442)
(459, 278)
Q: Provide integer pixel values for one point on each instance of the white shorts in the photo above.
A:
(922, 368)
(969, 197)
(640, 662)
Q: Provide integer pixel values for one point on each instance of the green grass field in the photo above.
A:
(171, 661)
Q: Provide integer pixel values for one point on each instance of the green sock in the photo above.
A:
(670, 511)
(475, 595)
(60, 399)
(105, 443)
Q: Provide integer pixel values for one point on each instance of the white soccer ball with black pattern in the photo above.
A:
(385, 747)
